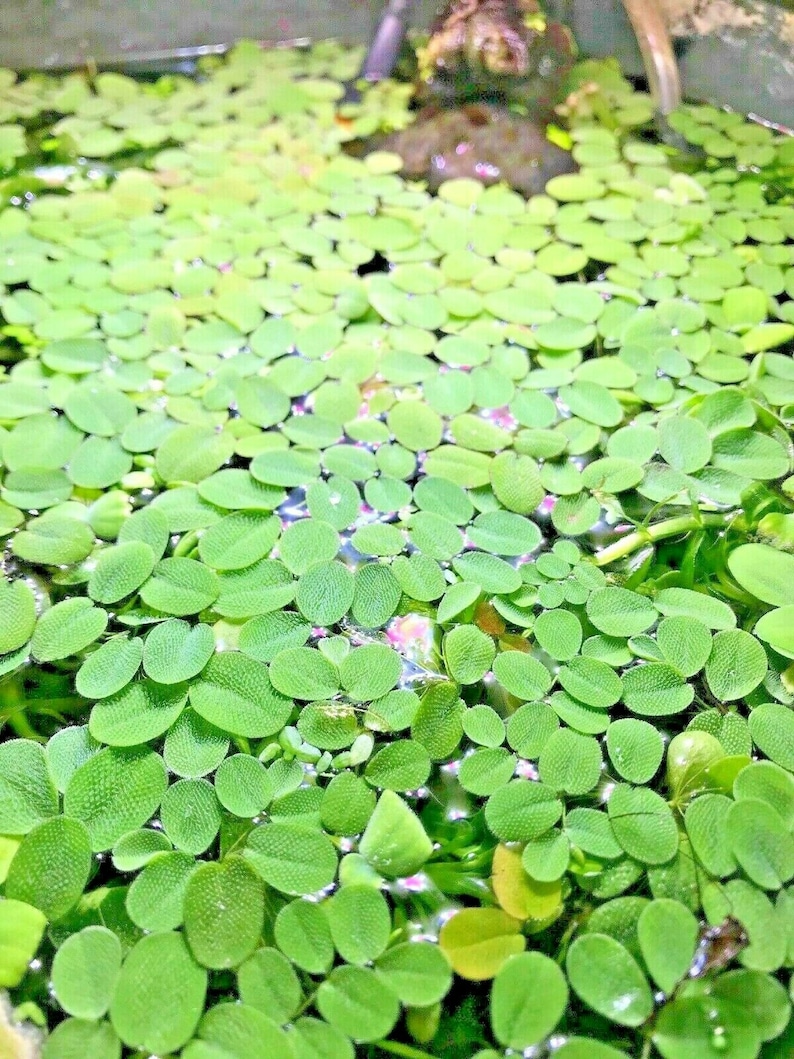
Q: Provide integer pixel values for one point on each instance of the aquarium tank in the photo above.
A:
(397, 514)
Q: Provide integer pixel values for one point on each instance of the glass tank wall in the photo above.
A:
(734, 52)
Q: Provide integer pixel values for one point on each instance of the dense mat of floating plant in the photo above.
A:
(364, 552)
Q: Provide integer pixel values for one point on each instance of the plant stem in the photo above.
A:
(669, 528)
(186, 544)
(405, 1050)
(307, 1003)
(14, 714)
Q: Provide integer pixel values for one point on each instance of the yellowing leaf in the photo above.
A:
(477, 941)
(520, 896)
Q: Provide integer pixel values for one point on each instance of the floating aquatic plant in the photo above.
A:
(398, 588)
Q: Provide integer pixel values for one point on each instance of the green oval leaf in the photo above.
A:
(110, 668)
(175, 651)
(27, 793)
(764, 572)
(140, 712)
(609, 980)
(292, 858)
(522, 1015)
(268, 982)
(155, 900)
(120, 570)
(180, 586)
(115, 791)
(360, 923)
(668, 935)
(190, 815)
(21, 930)
(67, 628)
(736, 666)
(85, 971)
(468, 653)
(224, 912)
(761, 843)
(51, 868)
(234, 693)
(356, 1002)
(417, 971)
(146, 1011)
(394, 842)
(643, 823)
(304, 673)
(17, 615)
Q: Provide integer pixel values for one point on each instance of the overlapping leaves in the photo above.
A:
(369, 554)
